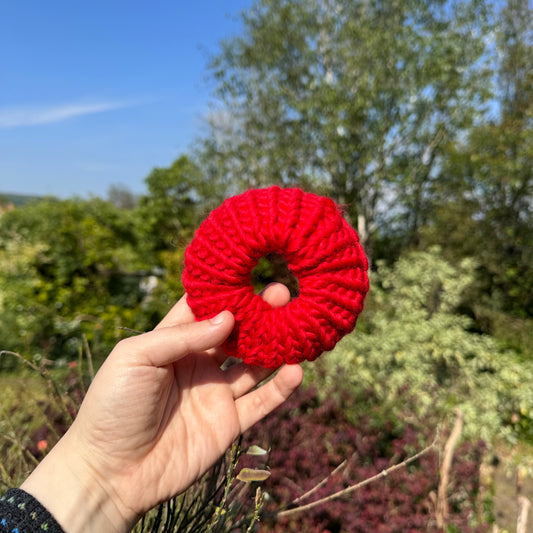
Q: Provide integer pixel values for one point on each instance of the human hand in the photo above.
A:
(158, 414)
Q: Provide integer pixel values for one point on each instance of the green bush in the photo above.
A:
(68, 268)
(414, 338)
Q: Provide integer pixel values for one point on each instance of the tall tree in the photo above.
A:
(354, 98)
(490, 213)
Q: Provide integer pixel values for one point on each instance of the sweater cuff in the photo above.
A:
(20, 512)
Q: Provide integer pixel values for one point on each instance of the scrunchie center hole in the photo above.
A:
(273, 268)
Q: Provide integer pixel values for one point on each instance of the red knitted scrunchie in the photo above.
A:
(322, 251)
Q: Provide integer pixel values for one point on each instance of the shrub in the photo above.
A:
(414, 337)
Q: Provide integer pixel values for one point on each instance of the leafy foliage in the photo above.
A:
(75, 268)
(178, 198)
(416, 116)
(354, 98)
(486, 202)
(67, 268)
(415, 339)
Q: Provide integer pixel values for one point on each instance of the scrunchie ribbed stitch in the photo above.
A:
(322, 251)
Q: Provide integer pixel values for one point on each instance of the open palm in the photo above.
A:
(161, 411)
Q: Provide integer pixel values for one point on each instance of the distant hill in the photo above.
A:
(17, 200)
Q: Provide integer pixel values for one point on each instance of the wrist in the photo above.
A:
(76, 497)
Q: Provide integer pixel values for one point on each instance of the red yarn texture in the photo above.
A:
(322, 251)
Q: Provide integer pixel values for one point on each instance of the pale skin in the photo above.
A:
(158, 415)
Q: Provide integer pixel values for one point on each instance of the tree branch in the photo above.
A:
(321, 484)
(442, 496)
(353, 488)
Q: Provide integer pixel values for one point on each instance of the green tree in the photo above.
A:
(178, 197)
(354, 98)
(486, 208)
(177, 200)
(67, 268)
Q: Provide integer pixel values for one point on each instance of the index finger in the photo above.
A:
(181, 314)
(166, 345)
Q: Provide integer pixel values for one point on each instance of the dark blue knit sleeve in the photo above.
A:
(20, 512)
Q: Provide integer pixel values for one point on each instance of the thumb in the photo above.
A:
(276, 294)
(166, 345)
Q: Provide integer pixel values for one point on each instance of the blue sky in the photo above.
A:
(97, 93)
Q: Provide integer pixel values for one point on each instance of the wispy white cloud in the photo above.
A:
(17, 116)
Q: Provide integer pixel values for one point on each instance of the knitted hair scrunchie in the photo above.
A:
(321, 250)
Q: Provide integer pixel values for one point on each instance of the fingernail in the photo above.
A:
(218, 319)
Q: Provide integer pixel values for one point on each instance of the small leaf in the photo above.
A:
(256, 450)
(251, 474)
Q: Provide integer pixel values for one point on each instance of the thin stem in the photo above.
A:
(229, 480)
(89, 357)
(321, 484)
(259, 498)
(353, 488)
